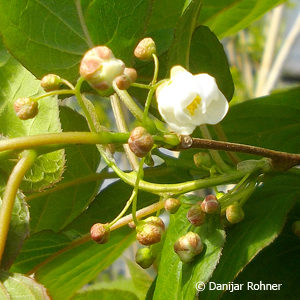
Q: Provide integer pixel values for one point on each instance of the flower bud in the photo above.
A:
(234, 213)
(150, 230)
(144, 257)
(195, 215)
(100, 233)
(140, 141)
(124, 81)
(188, 246)
(202, 159)
(210, 204)
(26, 108)
(145, 48)
(99, 67)
(296, 228)
(172, 205)
(51, 82)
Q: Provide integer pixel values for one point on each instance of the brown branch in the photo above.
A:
(280, 160)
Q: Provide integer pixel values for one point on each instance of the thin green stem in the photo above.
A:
(156, 68)
(27, 158)
(147, 105)
(63, 138)
(214, 153)
(139, 176)
(129, 102)
(141, 85)
(67, 83)
(82, 105)
(52, 93)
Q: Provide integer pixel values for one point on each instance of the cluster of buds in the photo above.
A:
(100, 68)
(140, 141)
(26, 108)
(150, 230)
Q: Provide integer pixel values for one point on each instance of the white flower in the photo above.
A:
(186, 101)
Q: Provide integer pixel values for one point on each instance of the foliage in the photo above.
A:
(64, 191)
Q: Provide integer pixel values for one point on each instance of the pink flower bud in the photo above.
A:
(195, 215)
(124, 81)
(100, 233)
(26, 108)
(99, 67)
(210, 205)
(145, 48)
(150, 230)
(188, 246)
(140, 141)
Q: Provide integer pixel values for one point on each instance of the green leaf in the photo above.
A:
(104, 294)
(51, 36)
(140, 278)
(117, 24)
(269, 122)
(265, 215)
(37, 248)
(279, 263)
(176, 280)
(208, 56)
(56, 210)
(16, 82)
(72, 269)
(179, 52)
(17, 286)
(226, 17)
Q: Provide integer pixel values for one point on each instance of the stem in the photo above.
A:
(86, 238)
(141, 85)
(122, 127)
(156, 68)
(214, 154)
(63, 138)
(130, 104)
(139, 175)
(27, 158)
(290, 158)
(52, 93)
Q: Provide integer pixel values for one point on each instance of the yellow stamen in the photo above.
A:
(193, 105)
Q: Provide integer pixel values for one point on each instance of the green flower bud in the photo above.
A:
(150, 230)
(51, 82)
(144, 257)
(140, 141)
(172, 205)
(188, 246)
(234, 213)
(210, 204)
(202, 159)
(296, 228)
(195, 215)
(99, 67)
(145, 48)
(100, 233)
(26, 108)
(124, 81)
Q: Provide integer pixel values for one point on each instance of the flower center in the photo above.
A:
(193, 105)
